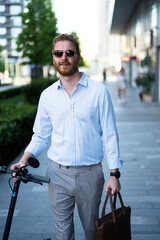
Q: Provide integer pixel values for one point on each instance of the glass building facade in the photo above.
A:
(10, 25)
(140, 39)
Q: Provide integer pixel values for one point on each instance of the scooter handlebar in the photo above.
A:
(3, 169)
(39, 178)
(25, 177)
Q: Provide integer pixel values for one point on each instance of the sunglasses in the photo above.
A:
(69, 53)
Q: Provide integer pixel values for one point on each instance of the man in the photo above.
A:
(76, 112)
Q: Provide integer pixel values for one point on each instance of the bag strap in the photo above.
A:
(105, 202)
(114, 202)
(122, 204)
(113, 205)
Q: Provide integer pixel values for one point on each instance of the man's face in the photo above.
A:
(66, 65)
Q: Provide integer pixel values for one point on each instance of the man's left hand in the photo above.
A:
(113, 185)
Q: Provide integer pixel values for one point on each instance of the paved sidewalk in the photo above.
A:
(7, 87)
(139, 132)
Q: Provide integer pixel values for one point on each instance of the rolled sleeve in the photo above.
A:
(42, 130)
(109, 131)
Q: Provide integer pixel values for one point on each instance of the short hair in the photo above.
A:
(66, 37)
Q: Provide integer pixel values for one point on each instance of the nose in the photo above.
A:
(64, 56)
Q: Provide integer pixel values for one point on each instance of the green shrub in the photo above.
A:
(33, 91)
(10, 93)
(16, 122)
(145, 81)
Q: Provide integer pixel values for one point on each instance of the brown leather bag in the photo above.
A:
(114, 225)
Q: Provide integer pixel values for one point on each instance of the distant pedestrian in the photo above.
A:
(76, 112)
(121, 86)
(104, 75)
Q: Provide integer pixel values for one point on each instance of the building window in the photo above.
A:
(15, 1)
(15, 32)
(138, 29)
(16, 21)
(15, 10)
(2, 20)
(3, 31)
(2, 8)
(13, 44)
(3, 42)
(154, 16)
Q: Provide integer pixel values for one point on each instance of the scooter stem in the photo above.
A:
(11, 209)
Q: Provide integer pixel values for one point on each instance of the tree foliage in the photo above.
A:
(83, 62)
(1, 60)
(39, 29)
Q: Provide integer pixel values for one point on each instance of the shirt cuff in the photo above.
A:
(115, 163)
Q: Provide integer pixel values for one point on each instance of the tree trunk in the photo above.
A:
(36, 71)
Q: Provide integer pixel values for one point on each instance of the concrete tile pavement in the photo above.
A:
(139, 132)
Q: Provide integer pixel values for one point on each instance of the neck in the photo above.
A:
(70, 82)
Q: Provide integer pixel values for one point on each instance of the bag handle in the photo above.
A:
(113, 205)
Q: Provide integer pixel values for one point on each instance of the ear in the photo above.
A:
(79, 60)
(53, 60)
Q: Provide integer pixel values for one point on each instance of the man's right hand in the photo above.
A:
(21, 163)
(17, 166)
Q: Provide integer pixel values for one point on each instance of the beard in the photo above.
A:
(66, 69)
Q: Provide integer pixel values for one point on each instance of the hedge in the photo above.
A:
(16, 122)
(10, 93)
(33, 91)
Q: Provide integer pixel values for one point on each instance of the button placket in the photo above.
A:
(72, 105)
(70, 100)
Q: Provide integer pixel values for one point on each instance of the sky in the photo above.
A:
(79, 16)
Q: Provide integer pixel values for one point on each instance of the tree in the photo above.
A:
(39, 29)
(2, 68)
(83, 62)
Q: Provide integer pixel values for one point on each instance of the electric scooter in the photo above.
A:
(22, 175)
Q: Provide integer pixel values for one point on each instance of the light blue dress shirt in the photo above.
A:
(76, 125)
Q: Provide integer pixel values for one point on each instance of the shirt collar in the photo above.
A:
(59, 85)
(83, 81)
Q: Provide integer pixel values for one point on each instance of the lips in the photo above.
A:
(64, 63)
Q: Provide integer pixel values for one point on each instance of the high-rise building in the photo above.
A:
(10, 25)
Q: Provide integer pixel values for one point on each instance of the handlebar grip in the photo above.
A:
(3, 169)
(40, 178)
